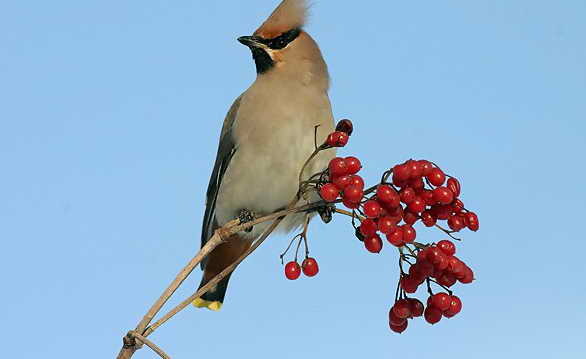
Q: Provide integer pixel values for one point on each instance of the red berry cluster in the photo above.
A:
(309, 268)
(416, 190)
(434, 264)
(396, 206)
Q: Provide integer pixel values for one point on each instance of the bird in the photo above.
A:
(268, 134)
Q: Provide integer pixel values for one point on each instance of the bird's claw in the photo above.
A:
(246, 216)
(325, 213)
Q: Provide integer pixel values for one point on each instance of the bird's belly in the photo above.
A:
(265, 178)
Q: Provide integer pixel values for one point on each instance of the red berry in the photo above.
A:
(373, 244)
(368, 227)
(409, 217)
(447, 279)
(329, 192)
(472, 221)
(402, 309)
(310, 267)
(345, 126)
(409, 233)
(292, 270)
(393, 319)
(428, 219)
(424, 268)
(426, 167)
(388, 195)
(396, 213)
(427, 196)
(447, 247)
(409, 284)
(467, 276)
(337, 139)
(356, 180)
(353, 194)
(416, 307)
(458, 205)
(338, 167)
(407, 195)
(454, 185)
(386, 224)
(441, 262)
(398, 328)
(416, 183)
(443, 195)
(432, 314)
(372, 209)
(432, 254)
(415, 168)
(352, 164)
(441, 212)
(401, 172)
(342, 182)
(396, 237)
(456, 266)
(436, 177)
(399, 183)
(417, 205)
(456, 223)
(441, 301)
(350, 205)
(455, 307)
(415, 273)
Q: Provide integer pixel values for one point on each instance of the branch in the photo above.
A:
(214, 280)
(220, 235)
(150, 344)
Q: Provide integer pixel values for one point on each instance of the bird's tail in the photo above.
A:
(213, 298)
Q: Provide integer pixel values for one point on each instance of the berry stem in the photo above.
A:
(448, 232)
(444, 287)
(428, 286)
(304, 234)
(288, 247)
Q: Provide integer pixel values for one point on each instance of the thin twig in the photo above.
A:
(349, 214)
(218, 237)
(150, 344)
(213, 281)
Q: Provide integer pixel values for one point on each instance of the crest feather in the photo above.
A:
(290, 14)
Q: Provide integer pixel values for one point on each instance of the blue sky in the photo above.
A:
(109, 119)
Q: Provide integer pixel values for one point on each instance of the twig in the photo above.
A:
(214, 241)
(348, 213)
(214, 280)
(219, 236)
(150, 344)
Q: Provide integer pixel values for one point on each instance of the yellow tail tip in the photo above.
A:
(202, 303)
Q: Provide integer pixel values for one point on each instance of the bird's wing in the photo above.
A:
(226, 150)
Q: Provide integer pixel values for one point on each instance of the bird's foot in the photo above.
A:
(246, 216)
(326, 212)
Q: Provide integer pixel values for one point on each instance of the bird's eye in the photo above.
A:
(281, 41)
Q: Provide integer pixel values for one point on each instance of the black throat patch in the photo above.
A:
(262, 60)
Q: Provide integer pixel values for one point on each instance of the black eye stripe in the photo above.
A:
(282, 40)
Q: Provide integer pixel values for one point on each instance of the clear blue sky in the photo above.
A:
(109, 116)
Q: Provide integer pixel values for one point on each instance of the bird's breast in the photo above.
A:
(274, 136)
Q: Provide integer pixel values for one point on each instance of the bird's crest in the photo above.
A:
(290, 14)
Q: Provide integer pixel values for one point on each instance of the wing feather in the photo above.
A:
(226, 150)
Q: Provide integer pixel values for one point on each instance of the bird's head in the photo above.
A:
(281, 45)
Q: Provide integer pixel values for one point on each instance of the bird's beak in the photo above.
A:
(250, 41)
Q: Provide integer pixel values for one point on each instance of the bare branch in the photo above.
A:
(214, 280)
(150, 344)
(220, 235)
